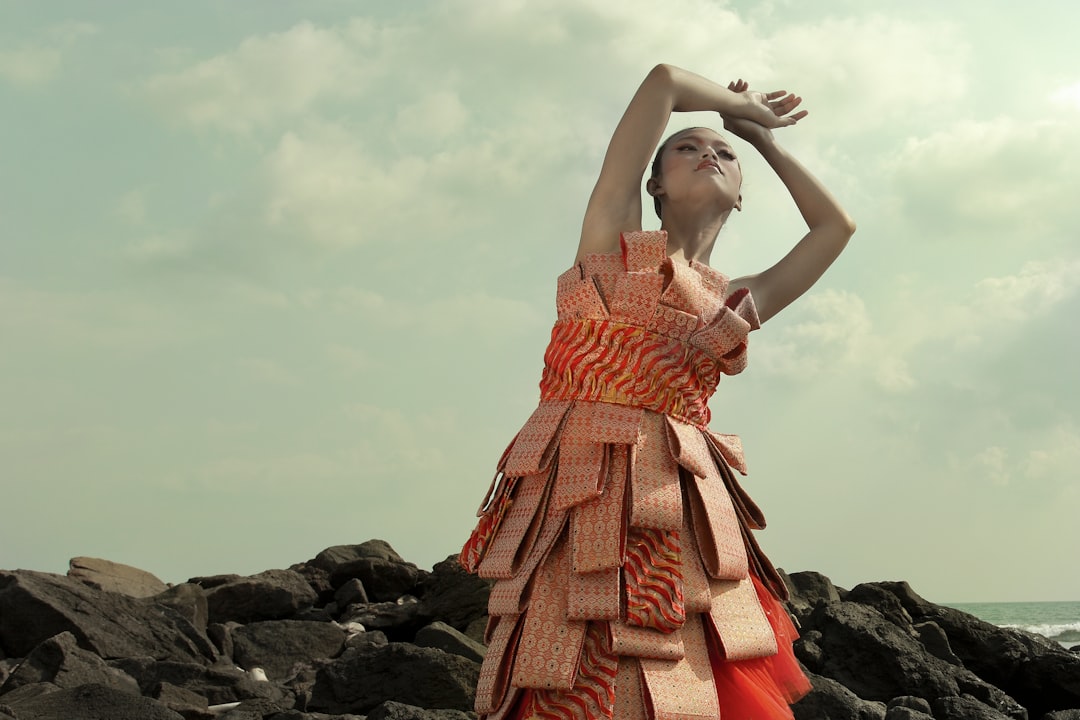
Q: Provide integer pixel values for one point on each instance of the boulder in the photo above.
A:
(114, 577)
(351, 593)
(811, 588)
(187, 703)
(453, 596)
(363, 678)
(218, 684)
(1040, 674)
(35, 606)
(277, 646)
(966, 707)
(189, 600)
(270, 595)
(391, 710)
(442, 636)
(399, 620)
(830, 699)
(92, 702)
(61, 662)
(386, 576)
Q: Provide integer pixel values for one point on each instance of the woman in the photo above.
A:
(628, 581)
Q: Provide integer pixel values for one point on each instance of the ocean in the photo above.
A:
(1058, 621)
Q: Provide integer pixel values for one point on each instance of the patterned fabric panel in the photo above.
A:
(629, 695)
(593, 694)
(729, 448)
(532, 449)
(495, 672)
(644, 249)
(653, 578)
(689, 448)
(655, 497)
(719, 536)
(517, 532)
(506, 597)
(578, 296)
(696, 596)
(715, 283)
(635, 297)
(595, 595)
(597, 528)
(581, 472)
(683, 689)
(673, 323)
(496, 506)
(739, 621)
(550, 646)
(646, 642)
(687, 291)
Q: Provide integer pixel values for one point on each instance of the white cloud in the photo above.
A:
(1035, 290)
(1069, 95)
(267, 78)
(36, 63)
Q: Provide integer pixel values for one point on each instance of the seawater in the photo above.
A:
(1058, 621)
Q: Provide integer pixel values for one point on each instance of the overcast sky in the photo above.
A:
(279, 276)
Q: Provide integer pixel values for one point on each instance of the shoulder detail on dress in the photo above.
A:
(643, 250)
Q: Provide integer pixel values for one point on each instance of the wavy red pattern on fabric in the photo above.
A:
(608, 361)
(480, 538)
(654, 580)
(593, 694)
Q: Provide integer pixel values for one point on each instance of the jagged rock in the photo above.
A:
(115, 577)
(297, 715)
(399, 620)
(884, 602)
(34, 606)
(29, 692)
(829, 700)
(1040, 674)
(278, 645)
(351, 593)
(60, 661)
(373, 638)
(936, 641)
(218, 684)
(442, 636)
(877, 660)
(178, 699)
(269, 595)
(808, 650)
(1063, 715)
(189, 600)
(908, 707)
(391, 710)
(221, 635)
(454, 596)
(813, 588)
(206, 582)
(968, 708)
(385, 575)
(92, 702)
(361, 679)
(319, 580)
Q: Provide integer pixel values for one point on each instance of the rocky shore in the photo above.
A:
(359, 632)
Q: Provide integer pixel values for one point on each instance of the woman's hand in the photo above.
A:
(763, 110)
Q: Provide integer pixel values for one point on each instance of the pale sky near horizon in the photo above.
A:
(279, 276)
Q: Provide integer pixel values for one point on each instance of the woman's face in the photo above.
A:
(697, 167)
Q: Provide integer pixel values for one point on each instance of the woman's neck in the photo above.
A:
(691, 239)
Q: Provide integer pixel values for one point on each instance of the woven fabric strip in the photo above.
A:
(683, 689)
(597, 527)
(593, 694)
(739, 621)
(495, 672)
(532, 448)
(518, 529)
(653, 577)
(655, 496)
(629, 695)
(595, 595)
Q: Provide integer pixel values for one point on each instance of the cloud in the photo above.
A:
(1068, 95)
(266, 79)
(36, 63)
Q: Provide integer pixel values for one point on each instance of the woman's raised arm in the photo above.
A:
(615, 203)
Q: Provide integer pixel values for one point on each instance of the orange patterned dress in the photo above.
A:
(628, 582)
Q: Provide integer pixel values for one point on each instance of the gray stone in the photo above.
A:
(270, 595)
(906, 713)
(391, 710)
(812, 588)
(911, 702)
(966, 707)
(362, 679)
(350, 593)
(936, 641)
(35, 606)
(1063, 715)
(115, 577)
(61, 662)
(442, 636)
(277, 646)
(399, 620)
(218, 684)
(189, 600)
(830, 700)
(181, 700)
(92, 702)
(453, 596)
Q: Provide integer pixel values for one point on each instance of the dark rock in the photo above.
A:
(114, 577)
(374, 638)
(207, 582)
(911, 702)
(218, 684)
(808, 650)
(384, 574)
(297, 715)
(270, 595)
(936, 641)
(442, 636)
(92, 702)
(362, 679)
(189, 600)
(351, 593)
(278, 645)
(829, 700)
(61, 662)
(319, 580)
(877, 660)
(966, 707)
(178, 699)
(399, 620)
(813, 588)
(314, 614)
(1040, 674)
(906, 713)
(34, 606)
(391, 710)
(221, 635)
(453, 596)
(1063, 715)
(884, 602)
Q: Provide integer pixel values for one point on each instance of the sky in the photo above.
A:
(279, 276)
